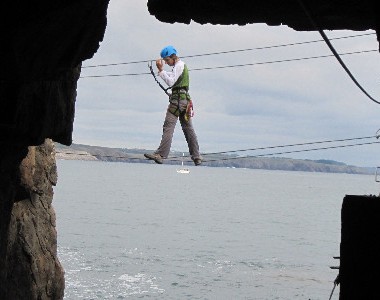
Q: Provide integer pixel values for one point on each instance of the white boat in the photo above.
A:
(183, 170)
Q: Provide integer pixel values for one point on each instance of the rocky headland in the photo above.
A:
(86, 152)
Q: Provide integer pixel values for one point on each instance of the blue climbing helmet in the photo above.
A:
(167, 51)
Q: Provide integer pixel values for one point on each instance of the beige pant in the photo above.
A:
(168, 130)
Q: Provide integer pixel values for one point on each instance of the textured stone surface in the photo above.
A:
(43, 44)
(31, 253)
(10, 159)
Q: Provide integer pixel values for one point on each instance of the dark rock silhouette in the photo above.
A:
(360, 223)
(43, 45)
(359, 248)
(331, 15)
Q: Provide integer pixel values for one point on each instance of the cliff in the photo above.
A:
(43, 45)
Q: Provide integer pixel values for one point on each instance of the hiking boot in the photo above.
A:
(156, 157)
(197, 161)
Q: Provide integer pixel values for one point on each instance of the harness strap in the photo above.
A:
(159, 83)
(174, 108)
(179, 92)
(187, 111)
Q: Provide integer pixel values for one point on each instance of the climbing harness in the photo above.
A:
(178, 94)
(159, 83)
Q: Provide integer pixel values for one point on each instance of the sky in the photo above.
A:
(235, 108)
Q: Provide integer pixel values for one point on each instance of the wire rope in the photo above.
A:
(237, 65)
(232, 51)
(293, 151)
(290, 145)
(179, 158)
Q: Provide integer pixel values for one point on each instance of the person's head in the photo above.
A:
(169, 55)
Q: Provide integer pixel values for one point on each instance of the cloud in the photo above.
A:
(235, 108)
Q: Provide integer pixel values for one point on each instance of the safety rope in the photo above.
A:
(159, 83)
(179, 158)
(293, 151)
(332, 292)
(189, 111)
(327, 41)
(293, 145)
(234, 51)
(238, 65)
(336, 282)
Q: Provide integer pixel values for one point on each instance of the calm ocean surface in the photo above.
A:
(131, 231)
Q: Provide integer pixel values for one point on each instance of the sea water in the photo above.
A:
(132, 231)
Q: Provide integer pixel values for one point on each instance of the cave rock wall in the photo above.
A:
(43, 44)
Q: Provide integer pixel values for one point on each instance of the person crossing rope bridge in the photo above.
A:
(180, 107)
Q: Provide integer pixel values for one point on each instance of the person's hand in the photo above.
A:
(159, 65)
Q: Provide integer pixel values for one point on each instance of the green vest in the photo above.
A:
(183, 80)
(180, 92)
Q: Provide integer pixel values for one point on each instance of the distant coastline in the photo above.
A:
(86, 152)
